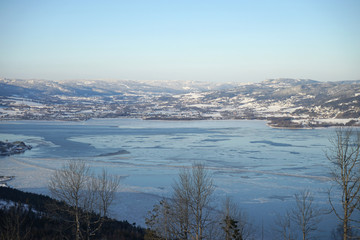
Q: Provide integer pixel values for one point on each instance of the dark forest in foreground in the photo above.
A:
(30, 216)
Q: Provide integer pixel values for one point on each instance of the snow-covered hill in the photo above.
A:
(284, 102)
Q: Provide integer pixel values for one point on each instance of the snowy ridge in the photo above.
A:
(284, 102)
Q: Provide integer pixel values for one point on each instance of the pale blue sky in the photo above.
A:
(243, 41)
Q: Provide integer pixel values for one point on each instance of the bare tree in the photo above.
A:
(100, 195)
(187, 215)
(69, 185)
(200, 191)
(235, 223)
(15, 224)
(159, 222)
(181, 204)
(86, 194)
(284, 227)
(305, 214)
(344, 154)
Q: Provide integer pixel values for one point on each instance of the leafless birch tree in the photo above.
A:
(85, 193)
(187, 213)
(345, 159)
(284, 228)
(305, 215)
(200, 191)
(303, 218)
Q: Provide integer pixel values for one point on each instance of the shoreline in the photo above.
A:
(289, 123)
(11, 148)
(5, 179)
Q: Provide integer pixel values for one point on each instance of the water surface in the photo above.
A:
(259, 167)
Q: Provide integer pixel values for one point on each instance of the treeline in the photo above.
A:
(31, 216)
(288, 122)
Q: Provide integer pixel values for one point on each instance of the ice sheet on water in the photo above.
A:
(256, 165)
(32, 140)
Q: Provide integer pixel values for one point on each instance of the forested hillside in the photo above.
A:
(26, 215)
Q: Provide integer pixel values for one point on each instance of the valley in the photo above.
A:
(284, 103)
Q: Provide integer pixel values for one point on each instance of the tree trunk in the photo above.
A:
(345, 225)
(77, 225)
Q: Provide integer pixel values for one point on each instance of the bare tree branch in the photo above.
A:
(344, 155)
(88, 195)
(305, 214)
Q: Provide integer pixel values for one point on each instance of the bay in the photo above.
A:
(261, 168)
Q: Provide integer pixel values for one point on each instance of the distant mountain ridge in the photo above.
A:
(301, 101)
(101, 87)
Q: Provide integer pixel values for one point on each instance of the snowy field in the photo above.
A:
(259, 167)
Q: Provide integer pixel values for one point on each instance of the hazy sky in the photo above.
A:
(245, 41)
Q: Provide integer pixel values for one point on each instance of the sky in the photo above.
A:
(217, 41)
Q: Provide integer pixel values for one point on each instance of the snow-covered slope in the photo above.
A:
(288, 99)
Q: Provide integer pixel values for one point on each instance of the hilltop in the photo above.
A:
(284, 102)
